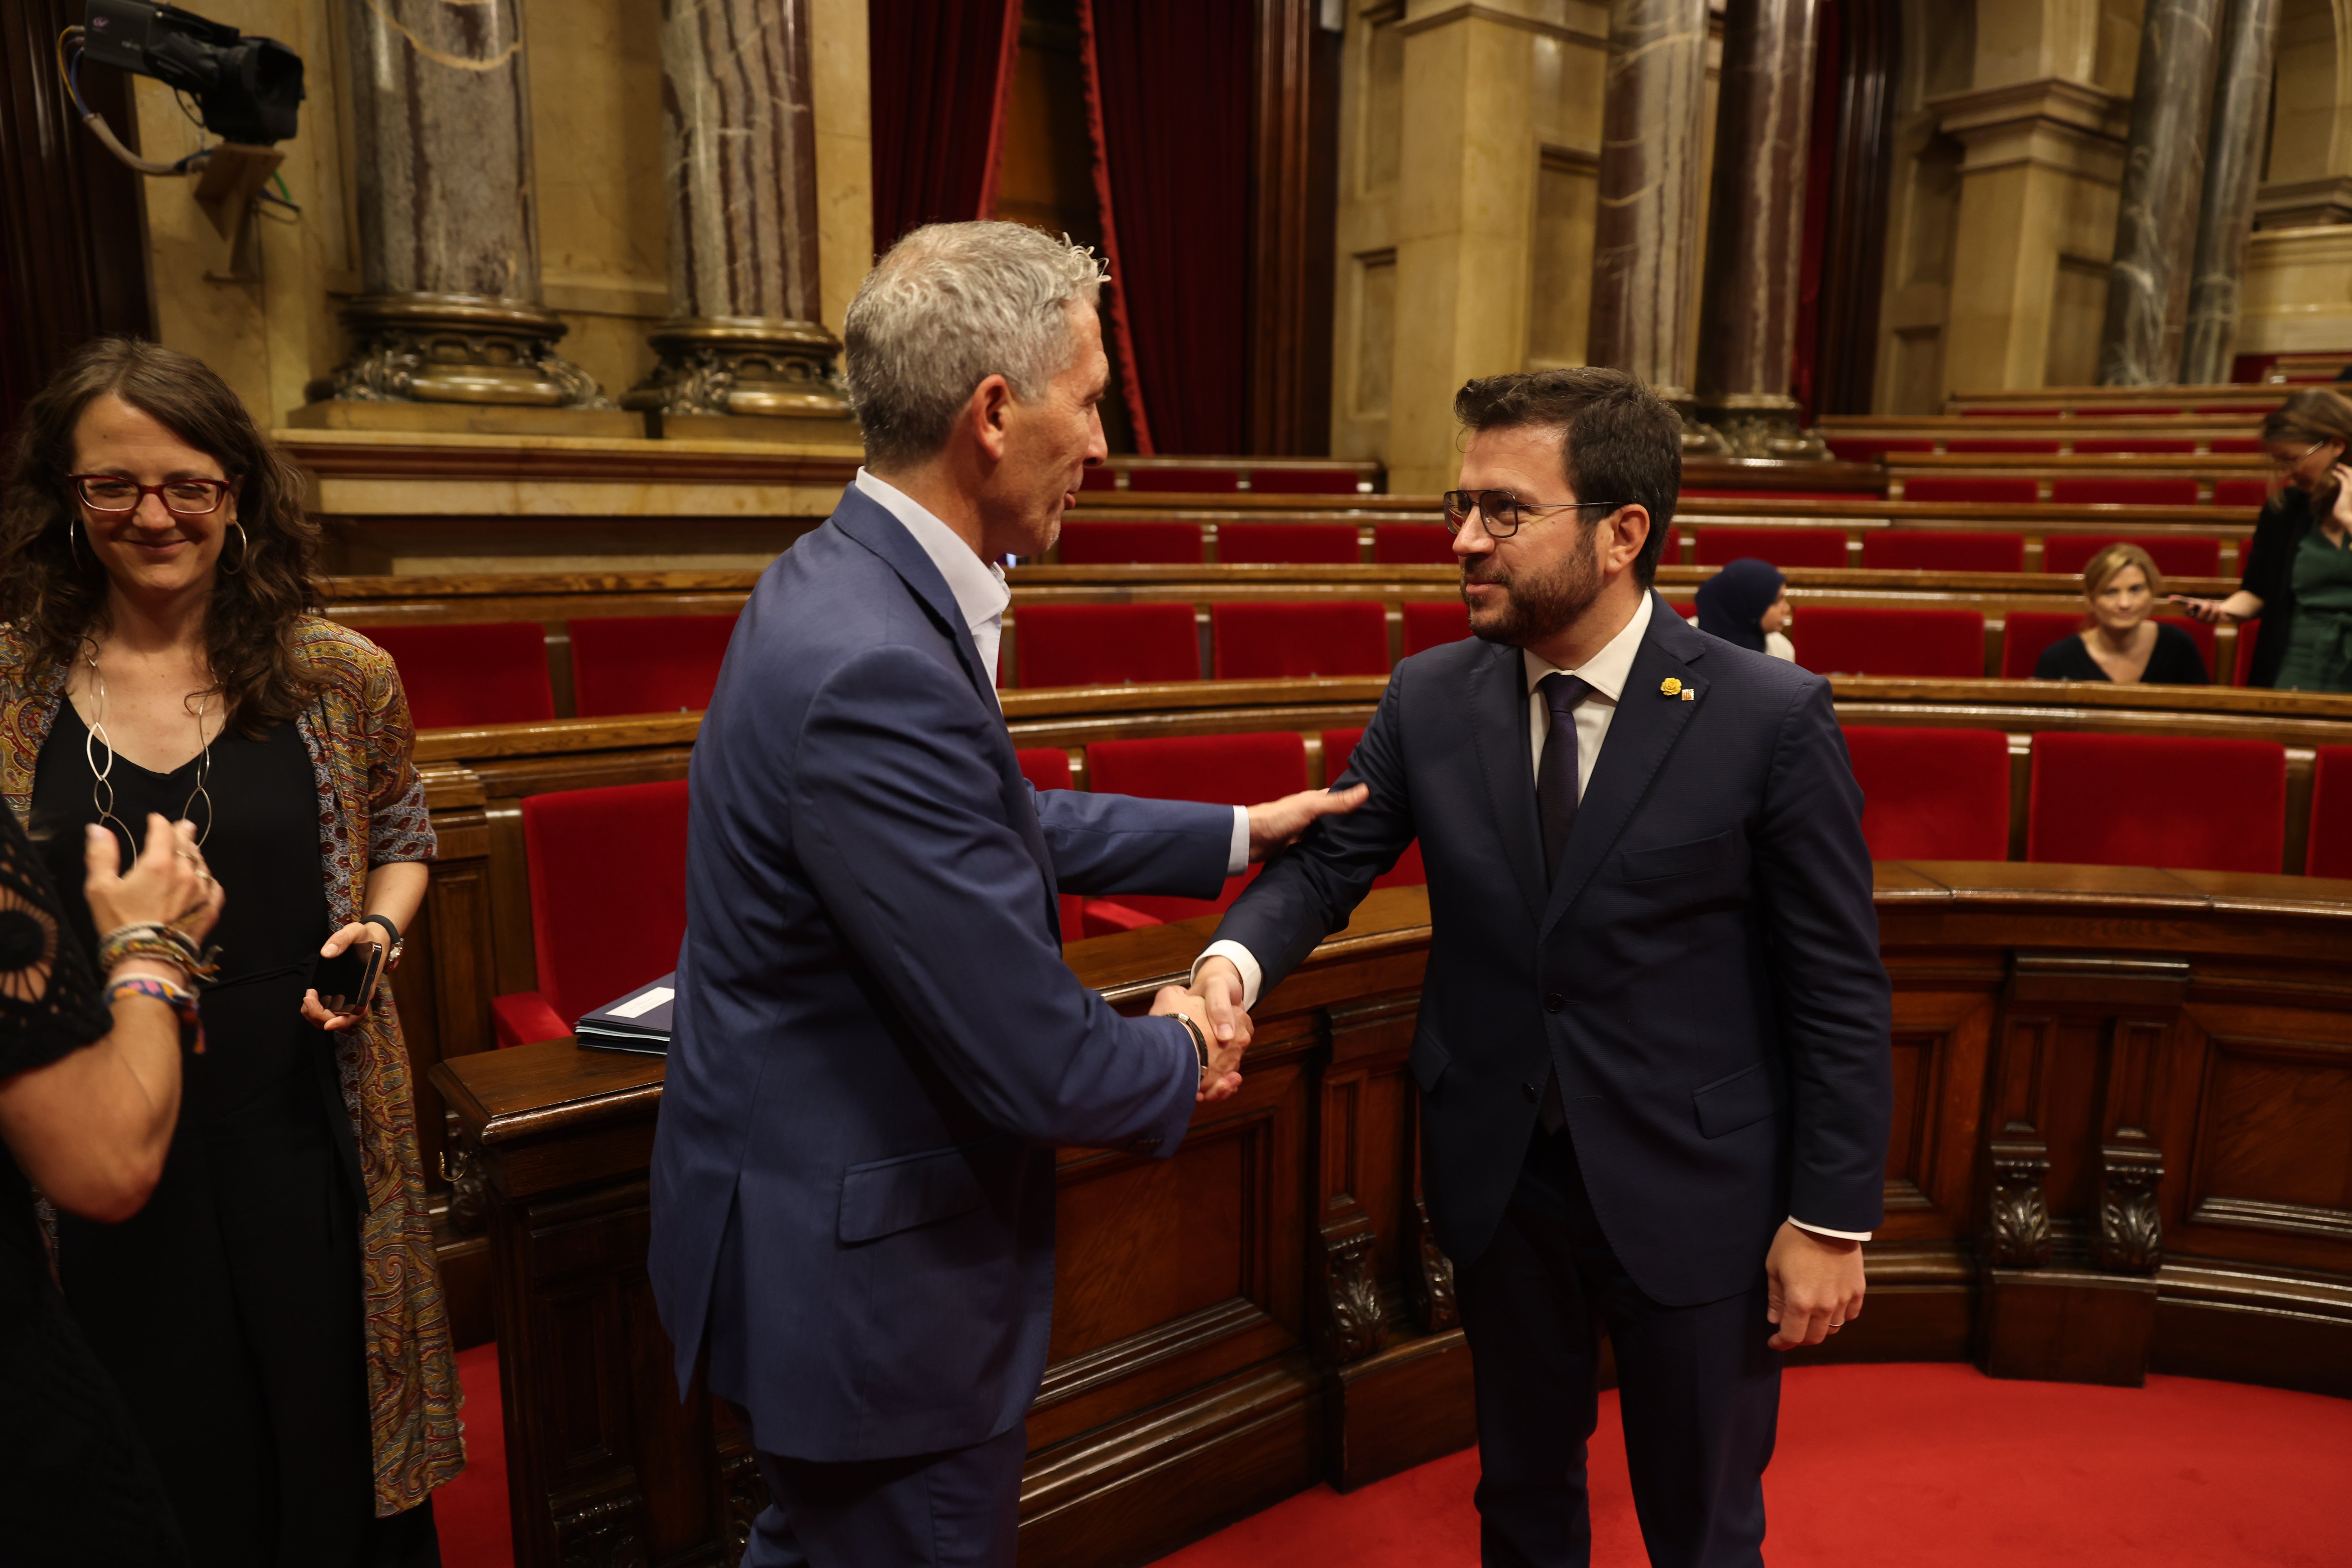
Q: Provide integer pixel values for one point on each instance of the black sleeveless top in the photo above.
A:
(258, 819)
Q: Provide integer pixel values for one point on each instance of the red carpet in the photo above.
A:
(1925, 1466)
(1907, 1467)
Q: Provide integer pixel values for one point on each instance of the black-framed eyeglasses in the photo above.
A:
(182, 498)
(1503, 511)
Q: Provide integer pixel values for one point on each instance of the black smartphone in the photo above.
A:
(345, 982)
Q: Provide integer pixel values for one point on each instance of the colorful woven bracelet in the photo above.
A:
(182, 1002)
(167, 944)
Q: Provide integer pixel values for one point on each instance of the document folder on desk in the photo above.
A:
(637, 1022)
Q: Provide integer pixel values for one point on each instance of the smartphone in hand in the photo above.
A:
(345, 982)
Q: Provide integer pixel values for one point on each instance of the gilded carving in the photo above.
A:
(771, 369)
(605, 1534)
(454, 348)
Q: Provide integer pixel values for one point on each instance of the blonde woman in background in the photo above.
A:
(2122, 587)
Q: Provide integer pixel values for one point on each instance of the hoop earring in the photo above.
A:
(245, 544)
(73, 543)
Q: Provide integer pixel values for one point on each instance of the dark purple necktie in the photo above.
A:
(1555, 809)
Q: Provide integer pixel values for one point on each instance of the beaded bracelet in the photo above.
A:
(167, 944)
(182, 1002)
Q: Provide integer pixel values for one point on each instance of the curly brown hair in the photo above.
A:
(57, 596)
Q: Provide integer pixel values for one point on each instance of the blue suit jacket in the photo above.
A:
(1702, 973)
(878, 1043)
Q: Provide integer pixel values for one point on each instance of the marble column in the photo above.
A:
(745, 334)
(2233, 170)
(1645, 233)
(1755, 230)
(449, 310)
(2156, 218)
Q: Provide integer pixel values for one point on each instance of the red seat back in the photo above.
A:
(646, 664)
(1999, 443)
(2249, 633)
(1339, 745)
(1412, 544)
(1185, 481)
(2208, 646)
(1844, 640)
(1934, 549)
(1868, 448)
(1048, 767)
(2179, 802)
(1105, 644)
(2330, 851)
(2124, 492)
(1954, 488)
(2175, 554)
(1225, 770)
(1287, 543)
(488, 672)
(1277, 641)
(1099, 478)
(2240, 492)
(1784, 547)
(1431, 622)
(2147, 444)
(2025, 633)
(1932, 794)
(607, 890)
(1302, 481)
(2245, 446)
(1130, 543)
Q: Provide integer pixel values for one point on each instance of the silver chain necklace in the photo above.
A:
(101, 784)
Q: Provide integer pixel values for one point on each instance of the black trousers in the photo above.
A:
(956, 1509)
(1699, 1391)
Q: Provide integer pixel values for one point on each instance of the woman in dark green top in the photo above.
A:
(2298, 570)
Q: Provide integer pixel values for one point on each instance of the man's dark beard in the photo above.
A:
(1537, 605)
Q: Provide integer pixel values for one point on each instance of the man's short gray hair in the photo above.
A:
(950, 306)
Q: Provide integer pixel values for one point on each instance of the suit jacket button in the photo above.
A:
(1555, 1002)
(1531, 1091)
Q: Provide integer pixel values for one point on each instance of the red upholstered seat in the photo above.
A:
(1934, 549)
(2175, 554)
(1185, 481)
(1844, 640)
(2124, 492)
(1105, 644)
(1784, 547)
(1986, 444)
(1130, 543)
(646, 664)
(1099, 478)
(1868, 448)
(488, 672)
(2124, 411)
(2025, 633)
(2239, 444)
(1932, 794)
(2146, 445)
(2249, 634)
(1048, 767)
(1431, 622)
(1265, 642)
(2240, 492)
(1954, 488)
(1412, 544)
(1339, 745)
(2180, 801)
(1758, 493)
(2010, 413)
(1287, 543)
(1302, 482)
(607, 870)
(2330, 851)
(1226, 769)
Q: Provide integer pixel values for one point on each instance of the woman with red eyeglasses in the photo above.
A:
(272, 1315)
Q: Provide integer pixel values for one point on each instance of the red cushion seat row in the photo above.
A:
(495, 672)
(1091, 544)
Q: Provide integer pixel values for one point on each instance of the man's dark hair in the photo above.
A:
(1621, 442)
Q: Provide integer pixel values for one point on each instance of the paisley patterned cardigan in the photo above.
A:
(371, 812)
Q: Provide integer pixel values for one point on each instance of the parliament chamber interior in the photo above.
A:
(1954, 297)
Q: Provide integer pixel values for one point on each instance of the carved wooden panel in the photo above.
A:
(2268, 1132)
(1940, 1040)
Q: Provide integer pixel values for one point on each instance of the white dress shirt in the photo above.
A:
(982, 597)
(1605, 674)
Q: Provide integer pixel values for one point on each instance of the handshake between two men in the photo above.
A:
(1214, 1001)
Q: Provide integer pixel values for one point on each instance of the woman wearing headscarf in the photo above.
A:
(1746, 602)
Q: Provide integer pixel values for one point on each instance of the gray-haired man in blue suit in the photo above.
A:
(878, 1043)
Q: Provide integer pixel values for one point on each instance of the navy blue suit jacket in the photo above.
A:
(878, 1044)
(1702, 973)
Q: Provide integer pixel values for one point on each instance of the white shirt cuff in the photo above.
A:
(1252, 975)
(1801, 1225)
(1237, 858)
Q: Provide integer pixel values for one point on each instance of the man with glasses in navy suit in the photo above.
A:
(1653, 1049)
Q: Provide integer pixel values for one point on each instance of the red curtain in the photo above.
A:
(942, 70)
(1169, 106)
